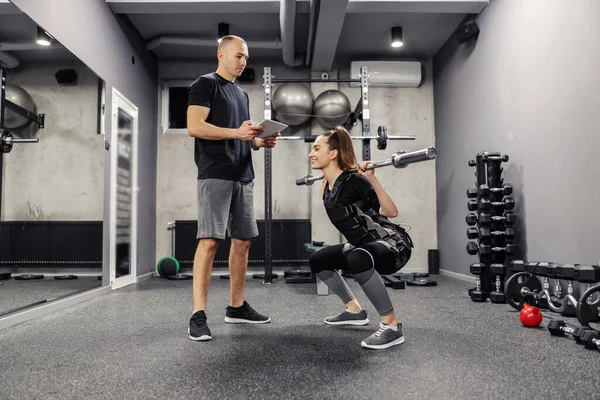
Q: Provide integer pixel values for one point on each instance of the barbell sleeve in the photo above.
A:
(13, 140)
(308, 180)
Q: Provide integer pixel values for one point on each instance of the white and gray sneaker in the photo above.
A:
(348, 318)
(384, 338)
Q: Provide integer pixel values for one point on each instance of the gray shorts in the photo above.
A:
(224, 204)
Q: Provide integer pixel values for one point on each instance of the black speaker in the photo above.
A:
(247, 75)
(467, 31)
(66, 77)
(433, 257)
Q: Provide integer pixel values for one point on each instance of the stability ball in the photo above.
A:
(332, 108)
(20, 97)
(293, 103)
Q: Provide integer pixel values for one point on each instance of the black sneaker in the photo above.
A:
(244, 315)
(384, 338)
(348, 318)
(198, 329)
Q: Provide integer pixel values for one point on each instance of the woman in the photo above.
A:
(358, 206)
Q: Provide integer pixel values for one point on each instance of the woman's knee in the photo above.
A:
(360, 260)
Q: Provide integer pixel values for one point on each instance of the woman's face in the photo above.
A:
(321, 156)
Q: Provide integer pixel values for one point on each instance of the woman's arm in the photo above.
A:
(388, 207)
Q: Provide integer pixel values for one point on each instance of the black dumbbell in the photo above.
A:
(472, 233)
(587, 273)
(486, 218)
(508, 203)
(517, 265)
(506, 189)
(471, 219)
(471, 193)
(559, 328)
(497, 296)
(474, 248)
(472, 205)
(591, 339)
(508, 233)
(477, 294)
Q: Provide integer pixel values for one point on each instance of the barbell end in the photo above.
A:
(431, 153)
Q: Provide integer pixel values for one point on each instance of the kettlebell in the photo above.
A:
(530, 316)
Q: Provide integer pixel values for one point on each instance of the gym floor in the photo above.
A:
(133, 344)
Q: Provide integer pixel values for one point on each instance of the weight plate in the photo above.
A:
(65, 277)
(382, 138)
(28, 277)
(589, 311)
(179, 277)
(514, 284)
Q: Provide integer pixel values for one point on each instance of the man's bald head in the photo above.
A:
(233, 56)
(227, 41)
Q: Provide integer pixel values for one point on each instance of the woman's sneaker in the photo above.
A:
(198, 330)
(349, 318)
(384, 338)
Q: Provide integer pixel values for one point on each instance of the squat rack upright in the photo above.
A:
(362, 110)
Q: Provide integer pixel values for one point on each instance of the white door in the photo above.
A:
(124, 189)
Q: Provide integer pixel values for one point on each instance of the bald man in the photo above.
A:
(218, 118)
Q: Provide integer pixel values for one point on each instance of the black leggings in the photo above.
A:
(359, 259)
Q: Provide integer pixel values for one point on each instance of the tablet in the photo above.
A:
(270, 128)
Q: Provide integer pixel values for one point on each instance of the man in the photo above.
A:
(218, 118)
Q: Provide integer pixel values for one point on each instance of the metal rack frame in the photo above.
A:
(363, 107)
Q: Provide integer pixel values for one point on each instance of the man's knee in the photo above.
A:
(240, 245)
(208, 244)
(315, 262)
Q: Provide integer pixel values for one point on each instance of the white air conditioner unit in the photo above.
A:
(399, 74)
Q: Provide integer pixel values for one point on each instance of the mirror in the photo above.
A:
(52, 179)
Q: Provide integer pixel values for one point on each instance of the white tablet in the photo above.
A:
(271, 127)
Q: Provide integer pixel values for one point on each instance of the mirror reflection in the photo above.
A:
(52, 168)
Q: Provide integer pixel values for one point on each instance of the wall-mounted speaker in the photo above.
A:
(467, 30)
(66, 77)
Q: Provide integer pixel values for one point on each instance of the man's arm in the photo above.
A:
(199, 128)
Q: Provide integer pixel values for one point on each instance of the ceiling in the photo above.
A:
(298, 32)
(17, 39)
(323, 29)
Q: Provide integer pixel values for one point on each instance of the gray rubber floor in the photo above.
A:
(132, 344)
(15, 295)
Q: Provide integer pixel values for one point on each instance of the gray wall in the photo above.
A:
(403, 111)
(528, 87)
(62, 177)
(91, 31)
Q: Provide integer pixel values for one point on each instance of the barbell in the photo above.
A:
(400, 159)
(381, 138)
(7, 140)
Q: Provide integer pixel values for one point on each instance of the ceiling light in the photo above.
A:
(43, 38)
(223, 30)
(397, 36)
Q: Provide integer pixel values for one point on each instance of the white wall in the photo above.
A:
(62, 176)
(528, 87)
(403, 111)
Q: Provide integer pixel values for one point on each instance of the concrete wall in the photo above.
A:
(62, 176)
(117, 54)
(403, 111)
(527, 87)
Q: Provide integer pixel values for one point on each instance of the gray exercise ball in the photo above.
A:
(332, 108)
(20, 97)
(293, 103)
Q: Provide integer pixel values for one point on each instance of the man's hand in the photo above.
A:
(271, 141)
(248, 131)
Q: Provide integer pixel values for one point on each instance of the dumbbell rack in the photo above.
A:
(490, 223)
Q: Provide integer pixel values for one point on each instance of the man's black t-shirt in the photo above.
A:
(229, 159)
(356, 188)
